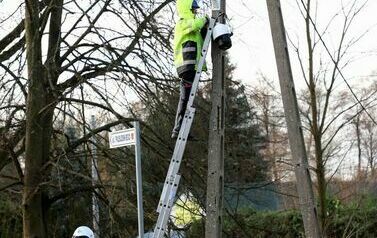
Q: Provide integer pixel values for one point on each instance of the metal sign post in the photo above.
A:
(125, 138)
(139, 187)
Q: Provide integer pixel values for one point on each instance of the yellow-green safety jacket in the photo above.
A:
(188, 41)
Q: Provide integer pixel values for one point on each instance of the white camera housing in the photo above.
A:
(221, 34)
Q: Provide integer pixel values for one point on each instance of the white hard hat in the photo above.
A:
(83, 232)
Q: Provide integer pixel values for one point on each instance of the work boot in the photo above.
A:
(174, 135)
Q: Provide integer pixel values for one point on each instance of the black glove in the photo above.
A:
(207, 21)
(204, 30)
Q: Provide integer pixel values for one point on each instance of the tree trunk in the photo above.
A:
(321, 180)
(39, 117)
(316, 128)
(358, 133)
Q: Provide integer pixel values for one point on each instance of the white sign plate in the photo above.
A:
(122, 138)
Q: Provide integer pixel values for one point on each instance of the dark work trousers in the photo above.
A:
(187, 78)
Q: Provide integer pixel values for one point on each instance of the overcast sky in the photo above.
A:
(253, 50)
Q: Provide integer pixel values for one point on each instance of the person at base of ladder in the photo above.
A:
(188, 43)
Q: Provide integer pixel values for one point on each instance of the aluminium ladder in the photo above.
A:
(172, 178)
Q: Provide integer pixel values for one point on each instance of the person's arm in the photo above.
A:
(194, 24)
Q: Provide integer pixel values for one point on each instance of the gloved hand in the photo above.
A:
(204, 29)
(207, 21)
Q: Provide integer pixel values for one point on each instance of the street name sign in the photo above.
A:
(122, 138)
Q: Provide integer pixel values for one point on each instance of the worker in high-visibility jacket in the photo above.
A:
(188, 43)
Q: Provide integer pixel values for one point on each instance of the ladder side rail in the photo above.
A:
(163, 218)
(207, 40)
(162, 197)
(181, 142)
(177, 157)
(190, 111)
(170, 189)
(169, 197)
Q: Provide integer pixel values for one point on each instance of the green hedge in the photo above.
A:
(352, 220)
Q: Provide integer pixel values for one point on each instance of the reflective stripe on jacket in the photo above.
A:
(188, 41)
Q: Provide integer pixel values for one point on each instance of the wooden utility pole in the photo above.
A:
(295, 135)
(215, 178)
